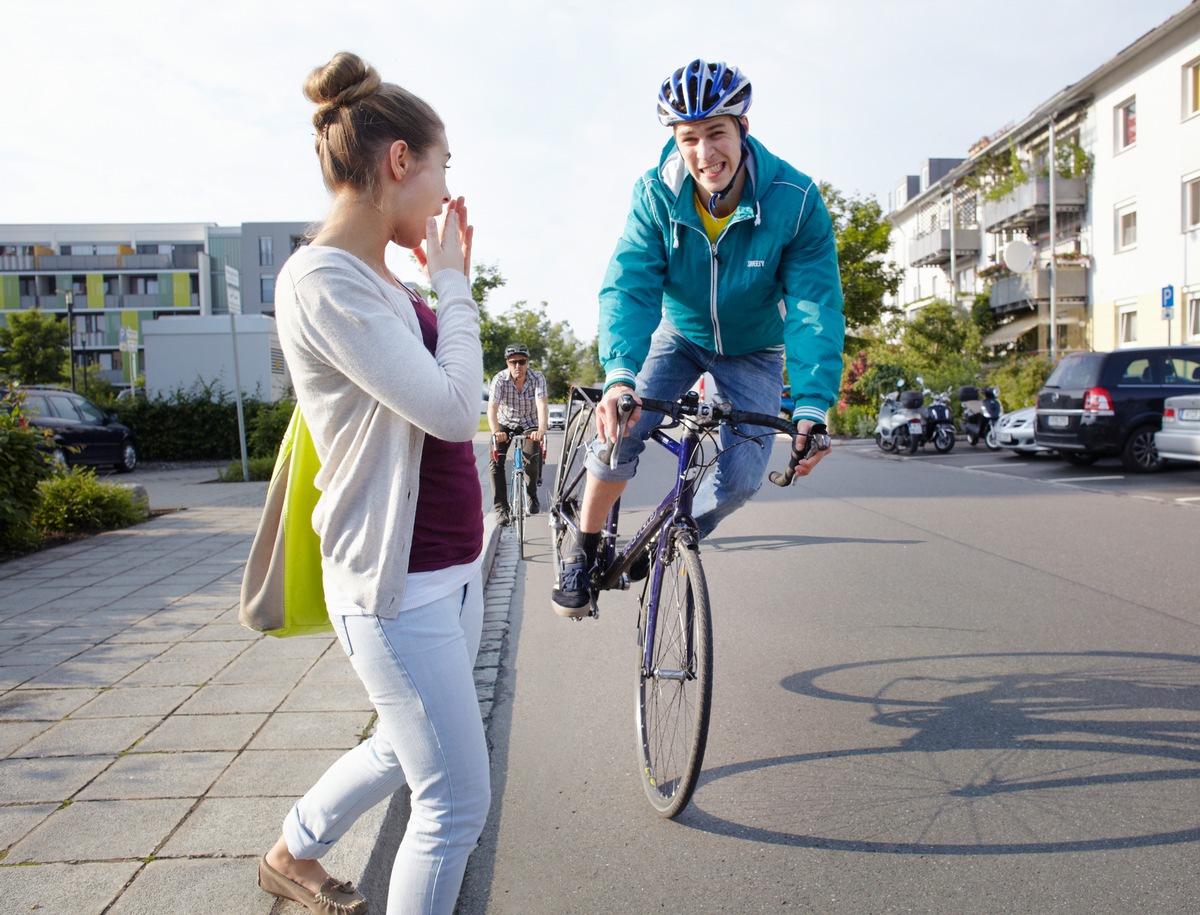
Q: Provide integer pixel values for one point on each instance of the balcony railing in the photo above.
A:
(933, 248)
(1030, 203)
(1024, 289)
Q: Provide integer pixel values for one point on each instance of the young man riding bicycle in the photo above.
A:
(728, 264)
(517, 402)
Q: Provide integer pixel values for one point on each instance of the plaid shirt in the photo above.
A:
(517, 408)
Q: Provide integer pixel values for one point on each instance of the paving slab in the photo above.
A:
(150, 746)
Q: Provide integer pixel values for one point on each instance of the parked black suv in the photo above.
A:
(1095, 405)
(83, 433)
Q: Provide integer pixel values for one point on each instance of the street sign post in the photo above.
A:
(233, 298)
(1168, 308)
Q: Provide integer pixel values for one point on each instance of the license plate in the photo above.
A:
(915, 426)
(1058, 421)
(1189, 416)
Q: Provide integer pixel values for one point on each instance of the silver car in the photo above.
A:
(1179, 438)
(1015, 430)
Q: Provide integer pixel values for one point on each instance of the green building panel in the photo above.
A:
(10, 293)
(95, 290)
(183, 290)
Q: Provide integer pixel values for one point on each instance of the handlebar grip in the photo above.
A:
(817, 439)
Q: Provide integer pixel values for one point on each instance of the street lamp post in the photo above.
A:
(69, 296)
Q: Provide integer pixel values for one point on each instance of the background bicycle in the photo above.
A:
(522, 482)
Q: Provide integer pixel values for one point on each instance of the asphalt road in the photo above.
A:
(943, 685)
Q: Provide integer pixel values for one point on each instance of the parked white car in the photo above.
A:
(1015, 430)
(1179, 438)
(557, 416)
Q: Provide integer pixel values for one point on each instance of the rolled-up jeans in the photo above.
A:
(417, 669)
(752, 382)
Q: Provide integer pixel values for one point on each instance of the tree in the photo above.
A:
(554, 349)
(34, 347)
(863, 236)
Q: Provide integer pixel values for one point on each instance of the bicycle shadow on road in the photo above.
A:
(1012, 753)
(758, 542)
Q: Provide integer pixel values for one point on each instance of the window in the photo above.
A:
(1127, 325)
(1193, 314)
(1126, 124)
(1191, 89)
(266, 251)
(1191, 204)
(266, 288)
(1126, 227)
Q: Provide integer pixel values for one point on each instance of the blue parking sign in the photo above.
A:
(1168, 303)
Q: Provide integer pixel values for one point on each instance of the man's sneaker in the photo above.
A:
(572, 598)
(502, 517)
(534, 505)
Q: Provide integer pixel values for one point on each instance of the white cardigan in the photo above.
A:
(369, 391)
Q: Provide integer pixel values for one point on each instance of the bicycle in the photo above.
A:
(674, 693)
(518, 493)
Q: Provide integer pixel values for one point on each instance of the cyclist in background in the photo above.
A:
(517, 402)
(728, 264)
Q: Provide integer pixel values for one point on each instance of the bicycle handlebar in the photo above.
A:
(710, 414)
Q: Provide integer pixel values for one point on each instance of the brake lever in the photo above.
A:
(625, 407)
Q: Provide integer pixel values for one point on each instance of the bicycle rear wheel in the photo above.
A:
(674, 697)
(569, 478)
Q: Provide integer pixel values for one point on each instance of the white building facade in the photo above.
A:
(1088, 246)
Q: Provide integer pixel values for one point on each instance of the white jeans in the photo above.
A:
(417, 669)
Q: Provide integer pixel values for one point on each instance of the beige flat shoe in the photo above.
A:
(335, 897)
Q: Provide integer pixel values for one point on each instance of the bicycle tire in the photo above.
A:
(674, 697)
(580, 432)
(516, 500)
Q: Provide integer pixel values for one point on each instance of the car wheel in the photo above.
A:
(1140, 454)
(129, 458)
(1078, 458)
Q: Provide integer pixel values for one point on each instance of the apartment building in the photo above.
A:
(1084, 216)
(109, 280)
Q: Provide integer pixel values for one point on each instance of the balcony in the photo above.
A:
(1029, 204)
(933, 248)
(1025, 290)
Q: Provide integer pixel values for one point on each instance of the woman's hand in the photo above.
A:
(448, 244)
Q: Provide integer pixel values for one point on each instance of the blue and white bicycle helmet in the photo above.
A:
(703, 90)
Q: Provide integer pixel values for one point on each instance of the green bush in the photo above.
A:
(260, 470)
(266, 427)
(199, 423)
(24, 465)
(1020, 380)
(857, 420)
(76, 501)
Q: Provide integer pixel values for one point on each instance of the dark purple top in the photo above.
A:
(448, 530)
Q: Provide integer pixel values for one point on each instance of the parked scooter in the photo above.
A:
(980, 415)
(900, 425)
(939, 422)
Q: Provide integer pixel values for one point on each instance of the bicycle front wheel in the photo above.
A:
(569, 477)
(674, 699)
(516, 500)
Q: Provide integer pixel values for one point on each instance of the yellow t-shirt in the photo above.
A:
(712, 225)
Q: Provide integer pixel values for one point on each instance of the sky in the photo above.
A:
(161, 111)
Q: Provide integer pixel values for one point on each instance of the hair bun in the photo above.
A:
(346, 79)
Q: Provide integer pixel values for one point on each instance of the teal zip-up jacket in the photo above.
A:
(770, 282)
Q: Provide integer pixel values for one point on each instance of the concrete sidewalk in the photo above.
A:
(149, 745)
